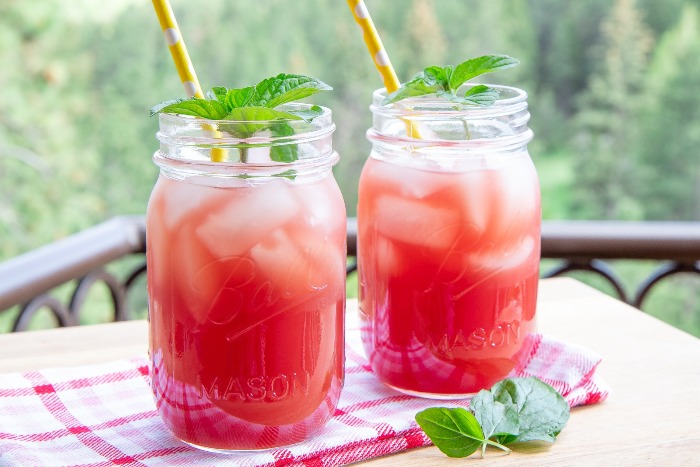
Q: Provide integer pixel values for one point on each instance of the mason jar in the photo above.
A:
(246, 280)
(448, 243)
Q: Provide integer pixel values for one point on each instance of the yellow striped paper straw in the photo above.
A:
(183, 64)
(374, 45)
(176, 44)
(379, 55)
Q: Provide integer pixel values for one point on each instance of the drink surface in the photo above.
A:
(247, 294)
(448, 264)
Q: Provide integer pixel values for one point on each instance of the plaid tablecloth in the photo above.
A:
(104, 415)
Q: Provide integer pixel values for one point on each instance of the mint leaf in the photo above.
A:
(217, 93)
(195, 107)
(418, 86)
(307, 114)
(478, 95)
(284, 88)
(445, 81)
(478, 66)
(288, 174)
(542, 411)
(455, 432)
(437, 75)
(250, 120)
(241, 97)
(253, 109)
(285, 152)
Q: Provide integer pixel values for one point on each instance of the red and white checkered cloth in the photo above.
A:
(103, 415)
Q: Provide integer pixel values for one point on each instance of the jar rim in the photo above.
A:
(431, 107)
(230, 168)
(189, 130)
(326, 113)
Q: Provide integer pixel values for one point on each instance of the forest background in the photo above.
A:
(613, 92)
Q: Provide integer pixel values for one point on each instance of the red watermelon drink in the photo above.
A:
(246, 274)
(448, 244)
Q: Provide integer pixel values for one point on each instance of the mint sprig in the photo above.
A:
(515, 410)
(256, 106)
(445, 81)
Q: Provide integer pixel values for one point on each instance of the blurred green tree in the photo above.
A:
(605, 159)
(670, 134)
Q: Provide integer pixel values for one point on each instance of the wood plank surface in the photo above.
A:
(652, 416)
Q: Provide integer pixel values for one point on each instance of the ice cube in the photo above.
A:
(320, 203)
(386, 258)
(296, 270)
(198, 276)
(516, 198)
(406, 181)
(183, 199)
(475, 197)
(417, 223)
(498, 260)
(251, 214)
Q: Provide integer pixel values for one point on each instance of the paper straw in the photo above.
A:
(379, 55)
(374, 45)
(176, 44)
(183, 64)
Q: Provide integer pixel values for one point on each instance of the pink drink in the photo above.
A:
(247, 296)
(449, 249)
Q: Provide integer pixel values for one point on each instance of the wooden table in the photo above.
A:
(652, 416)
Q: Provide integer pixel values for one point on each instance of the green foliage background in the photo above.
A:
(612, 84)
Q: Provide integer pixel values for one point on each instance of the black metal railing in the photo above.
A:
(28, 281)
(589, 245)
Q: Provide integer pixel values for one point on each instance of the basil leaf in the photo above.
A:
(285, 88)
(495, 417)
(478, 66)
(455, 432)
(211, 110)
(542, 411)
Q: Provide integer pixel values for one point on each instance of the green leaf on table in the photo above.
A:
(542, 411)
(195, 107)
(455, 432)
(515, 410)
(284, 88)
(495, 417)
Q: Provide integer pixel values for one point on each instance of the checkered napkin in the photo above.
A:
(104, 415)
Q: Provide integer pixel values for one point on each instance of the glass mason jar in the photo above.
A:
(246, 281)
(448, 243)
